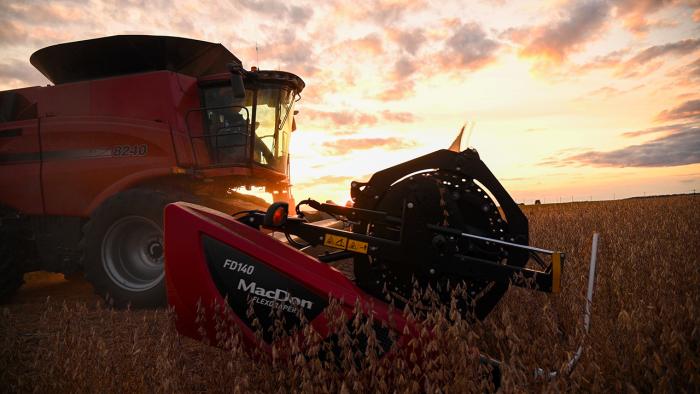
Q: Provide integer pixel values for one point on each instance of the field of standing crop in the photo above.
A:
(644, 335)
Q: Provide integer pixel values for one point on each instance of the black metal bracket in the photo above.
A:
(350, 244)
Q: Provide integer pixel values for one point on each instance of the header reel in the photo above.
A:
(434, 220)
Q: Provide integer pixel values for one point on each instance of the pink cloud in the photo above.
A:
(609, 60)
(342, 119)
(277, 9)
(469, 48)
(344, 146)
(397, 91)
(382, 12)
(370, 44)
(400, 117)
(687, 110)
(635, 13)
(327, 180)
(577, 25)
(643, 62)
(679, 47)
(660, 129)
(357, 120)
(410, 41)
(581, 23)
(19, 73)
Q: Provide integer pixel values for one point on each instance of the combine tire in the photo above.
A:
(11, 277)
(123, 244)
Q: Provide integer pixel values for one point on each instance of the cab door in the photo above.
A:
(20, 154)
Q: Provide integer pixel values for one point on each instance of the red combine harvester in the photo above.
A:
(131, 124)
(143, 133)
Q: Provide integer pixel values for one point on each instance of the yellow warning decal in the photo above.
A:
(335, 241)
(357, 246)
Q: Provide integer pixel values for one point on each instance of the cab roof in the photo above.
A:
(129, 54)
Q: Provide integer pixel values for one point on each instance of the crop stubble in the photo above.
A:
(644, 334)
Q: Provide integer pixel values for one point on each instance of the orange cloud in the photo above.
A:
(610, 60)
(579, 24)
(635, 13)
(52, 13)
(400, 117)
(318, 87)
(554, 41)
(398, 91)
(327, 180)
(344, 146)
(369, 44)
(340, 118)
(285, 48)
(605, 92)
(356, 120)
(16, 33)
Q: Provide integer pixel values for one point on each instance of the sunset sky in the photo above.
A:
(570, 99)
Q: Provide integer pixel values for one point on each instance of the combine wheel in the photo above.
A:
(123, 244)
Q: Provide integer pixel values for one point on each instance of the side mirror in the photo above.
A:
(237, 80)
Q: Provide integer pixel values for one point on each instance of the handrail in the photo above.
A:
(215, 162)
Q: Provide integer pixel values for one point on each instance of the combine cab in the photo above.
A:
(130, 124)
